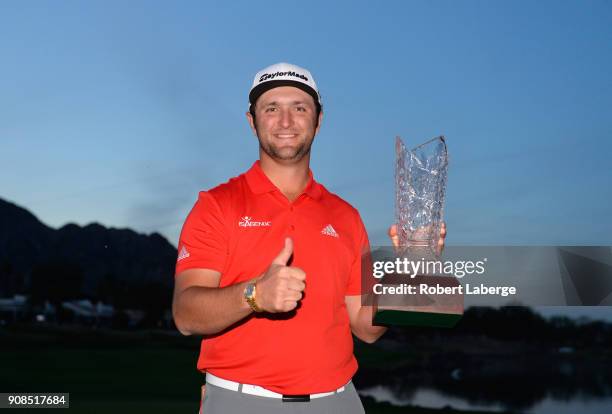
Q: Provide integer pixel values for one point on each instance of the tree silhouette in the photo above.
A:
(7, 287)
(56, 281)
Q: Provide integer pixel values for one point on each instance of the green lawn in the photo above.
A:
(107, 372)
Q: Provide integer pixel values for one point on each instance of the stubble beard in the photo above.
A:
(286, 153)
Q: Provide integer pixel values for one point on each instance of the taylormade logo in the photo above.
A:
(246, 221)
(270, 76)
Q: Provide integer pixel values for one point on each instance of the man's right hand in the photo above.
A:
(280, 288)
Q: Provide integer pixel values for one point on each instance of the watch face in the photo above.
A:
(249, 289)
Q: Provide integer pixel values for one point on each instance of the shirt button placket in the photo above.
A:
(291, 221)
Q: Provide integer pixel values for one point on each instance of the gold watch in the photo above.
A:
(249, 294)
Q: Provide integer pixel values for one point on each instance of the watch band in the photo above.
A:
(250, 293)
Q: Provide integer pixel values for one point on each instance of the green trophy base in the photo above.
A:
(410, 318)
(440, 310)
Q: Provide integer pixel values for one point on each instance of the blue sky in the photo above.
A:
(120, 112)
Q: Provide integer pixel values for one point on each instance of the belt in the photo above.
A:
(262, 392)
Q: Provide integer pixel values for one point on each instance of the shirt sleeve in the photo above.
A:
(204, 239)
(359, 282)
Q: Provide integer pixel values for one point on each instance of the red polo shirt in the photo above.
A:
(238, 228)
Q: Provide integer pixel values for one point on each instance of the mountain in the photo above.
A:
(99, 256)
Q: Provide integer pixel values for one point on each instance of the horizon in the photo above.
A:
(575, 312)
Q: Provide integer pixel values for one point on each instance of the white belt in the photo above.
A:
(256, 389)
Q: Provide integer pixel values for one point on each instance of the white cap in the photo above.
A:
(283, 74)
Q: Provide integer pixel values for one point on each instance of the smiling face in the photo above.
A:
(285, 124)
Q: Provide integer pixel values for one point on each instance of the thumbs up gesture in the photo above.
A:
(280, 288)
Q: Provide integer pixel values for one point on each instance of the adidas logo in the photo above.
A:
(329, 231)
(183, 254)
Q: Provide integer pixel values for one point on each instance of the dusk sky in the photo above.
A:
(120, 112)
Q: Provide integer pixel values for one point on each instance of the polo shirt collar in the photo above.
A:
(259, 182)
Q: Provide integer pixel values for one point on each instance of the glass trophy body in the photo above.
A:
(420, 187)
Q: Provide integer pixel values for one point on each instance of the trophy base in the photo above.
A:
(416, 318)
(443, 308)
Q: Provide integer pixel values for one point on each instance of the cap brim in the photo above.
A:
(260, 89)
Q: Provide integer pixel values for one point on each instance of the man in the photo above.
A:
(269, 269)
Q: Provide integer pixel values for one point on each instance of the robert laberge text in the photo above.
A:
(426, 289)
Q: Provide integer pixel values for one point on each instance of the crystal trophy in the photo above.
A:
(420, 187)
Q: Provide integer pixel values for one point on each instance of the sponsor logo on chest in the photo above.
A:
(330, 231)
(247, 221)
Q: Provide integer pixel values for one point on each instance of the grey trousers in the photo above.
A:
(221, 401)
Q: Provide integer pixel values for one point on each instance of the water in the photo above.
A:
(431, 398)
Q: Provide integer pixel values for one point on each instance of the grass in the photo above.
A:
(110, 372)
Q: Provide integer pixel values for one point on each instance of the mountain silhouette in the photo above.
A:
(101, 255)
